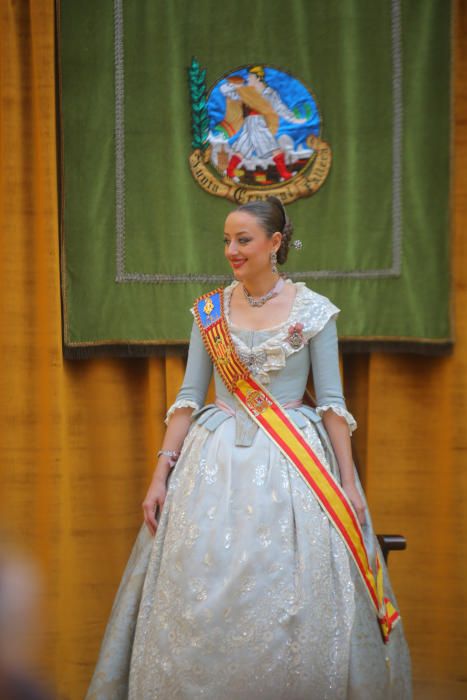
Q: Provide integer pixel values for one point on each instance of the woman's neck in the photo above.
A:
(262, 285)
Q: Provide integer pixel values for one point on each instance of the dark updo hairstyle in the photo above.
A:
(272, 216)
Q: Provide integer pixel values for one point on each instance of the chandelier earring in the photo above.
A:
(274, 261)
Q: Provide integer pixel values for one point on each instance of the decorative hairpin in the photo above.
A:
(298, 245)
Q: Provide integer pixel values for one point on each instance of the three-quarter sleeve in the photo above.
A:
(197, 376)
(324, 355)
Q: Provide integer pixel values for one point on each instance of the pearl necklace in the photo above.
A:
(259, 301)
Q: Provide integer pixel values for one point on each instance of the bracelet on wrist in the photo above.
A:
(171, 454)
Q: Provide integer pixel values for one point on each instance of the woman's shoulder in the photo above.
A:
(313, 305)
(311, 312)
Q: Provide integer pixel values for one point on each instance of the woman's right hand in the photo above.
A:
(155, 497)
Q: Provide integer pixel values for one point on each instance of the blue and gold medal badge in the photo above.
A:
(256, 132)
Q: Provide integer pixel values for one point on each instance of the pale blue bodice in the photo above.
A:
(279, 358)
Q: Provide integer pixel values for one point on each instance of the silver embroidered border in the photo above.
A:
(394, 271)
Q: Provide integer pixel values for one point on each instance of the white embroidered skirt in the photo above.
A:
(247, 590)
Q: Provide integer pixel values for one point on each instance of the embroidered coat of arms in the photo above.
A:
(256, 132)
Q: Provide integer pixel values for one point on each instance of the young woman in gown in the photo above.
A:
(241, 588)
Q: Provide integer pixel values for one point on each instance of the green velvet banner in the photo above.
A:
(141, 237)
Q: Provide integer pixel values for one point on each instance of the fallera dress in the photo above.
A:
(247, 591)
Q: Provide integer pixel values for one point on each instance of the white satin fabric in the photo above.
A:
(246, 592)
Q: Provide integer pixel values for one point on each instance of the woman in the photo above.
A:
(240, 585)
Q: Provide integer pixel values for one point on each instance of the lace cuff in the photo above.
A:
(341, 411)
(181, 403)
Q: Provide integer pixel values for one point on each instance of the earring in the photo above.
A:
(274, 261)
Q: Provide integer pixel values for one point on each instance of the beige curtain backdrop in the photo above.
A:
(78, 439)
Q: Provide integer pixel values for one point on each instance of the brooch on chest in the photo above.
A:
(295, 336)
(253, 360)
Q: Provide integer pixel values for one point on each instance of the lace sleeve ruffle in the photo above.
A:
(181, 403)
(341, 411)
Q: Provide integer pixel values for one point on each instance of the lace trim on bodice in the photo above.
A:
(309, 314)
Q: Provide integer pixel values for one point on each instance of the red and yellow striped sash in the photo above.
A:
(268, 414)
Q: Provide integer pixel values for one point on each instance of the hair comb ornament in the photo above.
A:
(298, 245)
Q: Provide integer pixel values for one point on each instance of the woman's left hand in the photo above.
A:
(356, 500)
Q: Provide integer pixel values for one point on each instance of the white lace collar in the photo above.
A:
(309, 314)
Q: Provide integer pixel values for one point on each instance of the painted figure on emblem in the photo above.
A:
(262, 107)
(256, 572)
(256, 128)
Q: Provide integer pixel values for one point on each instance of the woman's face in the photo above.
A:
(247, 246)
